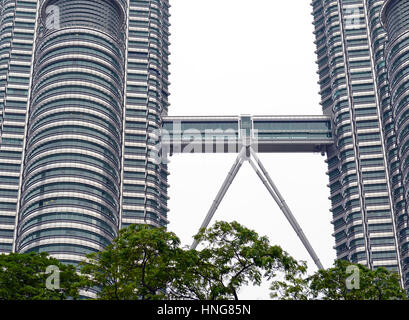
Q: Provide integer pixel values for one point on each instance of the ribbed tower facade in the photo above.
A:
(70, 187)
(368, 203)
(395, 19)
(83, 88)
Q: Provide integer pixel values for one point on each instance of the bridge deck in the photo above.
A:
(227, 134)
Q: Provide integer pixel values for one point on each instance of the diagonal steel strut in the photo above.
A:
(222, 192)
(245, 154)
(271, 187)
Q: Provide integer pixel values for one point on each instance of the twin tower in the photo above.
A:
(84, 93)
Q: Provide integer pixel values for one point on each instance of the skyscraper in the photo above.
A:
(361, 190)
(359, 89)
(84, 90)
(82, 84)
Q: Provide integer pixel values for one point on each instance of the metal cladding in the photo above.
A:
(144, 181)
(395, 15)
(70, 195)
(80, 101)
(363, 164)
(83, 87)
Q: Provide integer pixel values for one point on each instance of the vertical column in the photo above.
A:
(144, 198)
(17, 34)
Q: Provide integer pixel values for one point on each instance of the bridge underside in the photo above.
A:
(266, 134)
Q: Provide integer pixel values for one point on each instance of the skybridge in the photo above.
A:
(227, 134)
(248, 136)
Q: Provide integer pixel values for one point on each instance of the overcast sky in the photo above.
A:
(232, 57)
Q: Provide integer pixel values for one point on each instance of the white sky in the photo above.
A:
(232, 57)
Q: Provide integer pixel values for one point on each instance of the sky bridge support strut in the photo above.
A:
(246, 154)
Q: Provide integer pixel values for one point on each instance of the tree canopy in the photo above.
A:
(233, 256)
(148, 263)
(139, 264)
(344, 281)
(24, 277)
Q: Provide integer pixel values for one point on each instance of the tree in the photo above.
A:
(23, 277)
(139, 264)
(345, 281)
(233, 257)
(148, 263)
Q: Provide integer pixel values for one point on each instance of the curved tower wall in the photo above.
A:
(378, 40)
(395, 19)
(70, 195)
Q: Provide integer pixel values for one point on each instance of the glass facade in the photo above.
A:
(394, 16)
(144, 188)
(361, 49)
(83, 87)
(17, 37)
(73, 146)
